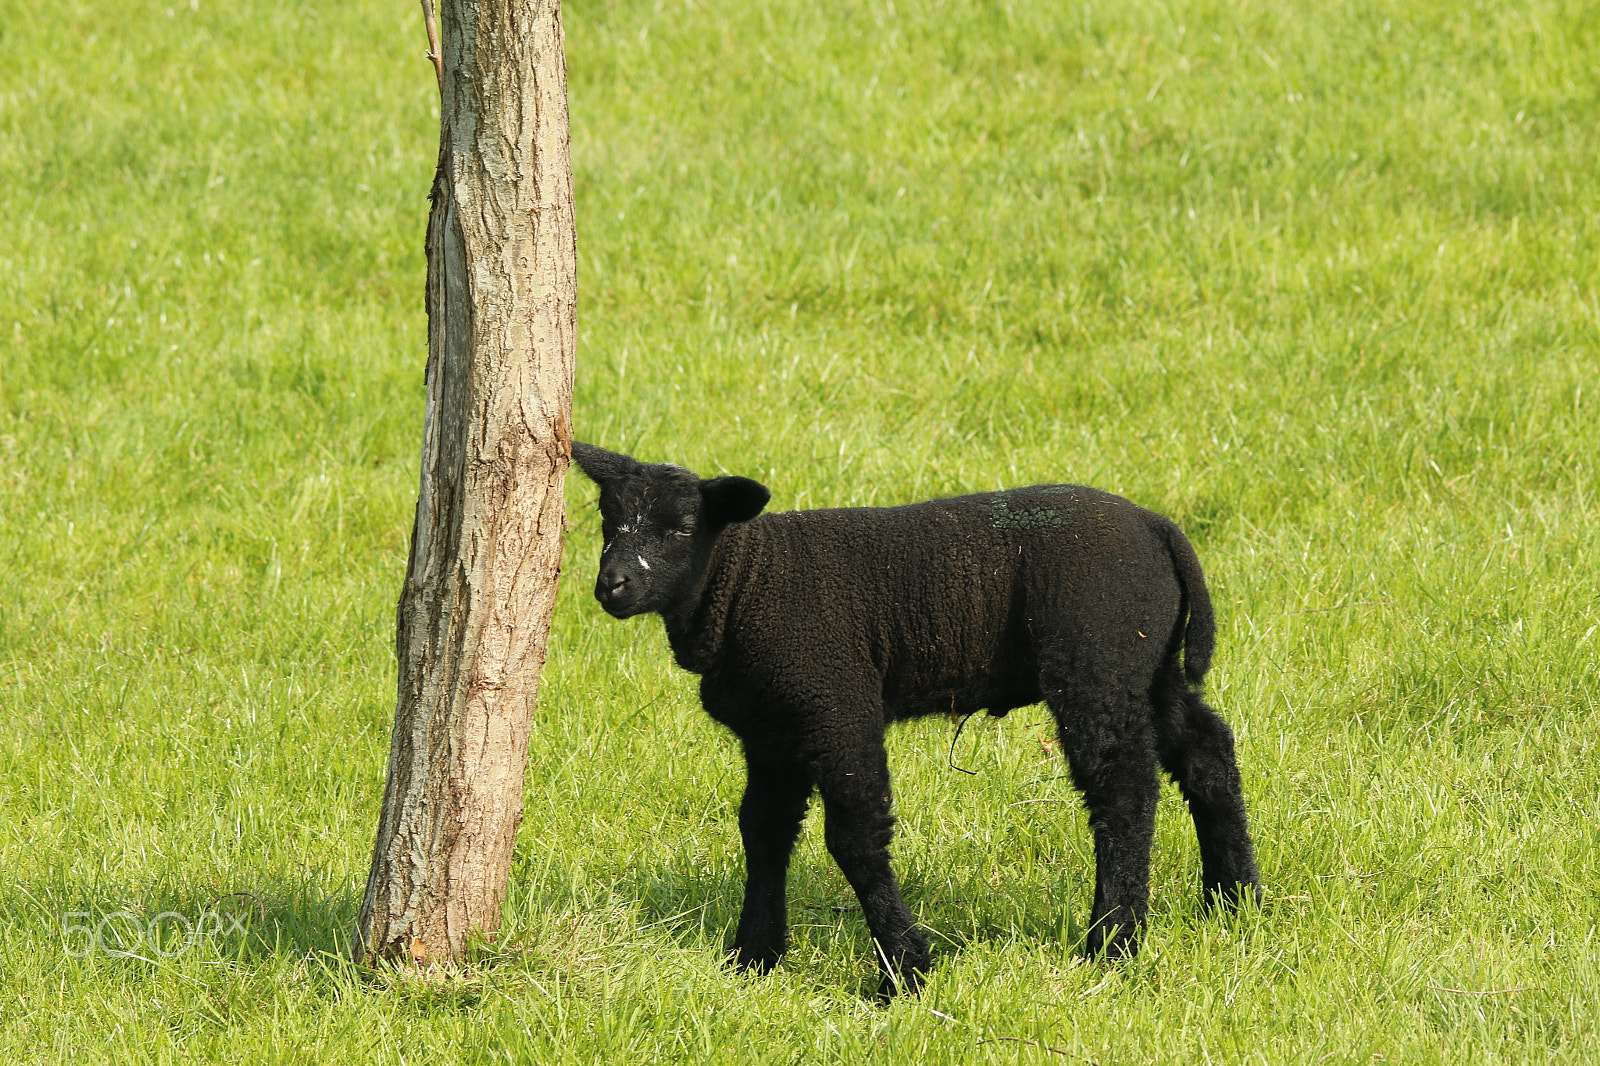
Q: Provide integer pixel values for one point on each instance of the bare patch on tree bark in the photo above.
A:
(480, 586)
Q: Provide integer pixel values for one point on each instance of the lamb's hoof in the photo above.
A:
(1113, 942)
(756, 962)
(1232, 895)
(906, 982)
(907, 969)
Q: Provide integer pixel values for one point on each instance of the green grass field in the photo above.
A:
(1319, 280)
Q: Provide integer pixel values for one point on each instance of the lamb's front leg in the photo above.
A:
(775, 800)
(855, 793)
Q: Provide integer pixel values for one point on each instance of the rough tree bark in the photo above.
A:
(480, 586)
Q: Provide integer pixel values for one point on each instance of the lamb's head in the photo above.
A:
(660, 523)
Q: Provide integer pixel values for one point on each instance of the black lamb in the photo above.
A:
(811, 630)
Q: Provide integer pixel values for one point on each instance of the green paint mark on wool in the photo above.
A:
(1025, 518)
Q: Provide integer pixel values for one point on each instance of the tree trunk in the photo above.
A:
(480, 586)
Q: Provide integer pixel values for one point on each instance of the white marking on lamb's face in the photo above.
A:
(642, 562)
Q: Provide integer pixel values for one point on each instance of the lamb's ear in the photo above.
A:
(733, 499)
(599, 465)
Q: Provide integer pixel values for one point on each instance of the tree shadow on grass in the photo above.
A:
(244, 941)
(246, 921)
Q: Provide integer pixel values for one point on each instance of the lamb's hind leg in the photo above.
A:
(1197, 750)
(1109, 742)
(853, 779)
(775, 800)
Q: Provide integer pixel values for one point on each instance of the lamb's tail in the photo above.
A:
(1200, 633)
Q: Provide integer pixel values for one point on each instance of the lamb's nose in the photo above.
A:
(613, 582)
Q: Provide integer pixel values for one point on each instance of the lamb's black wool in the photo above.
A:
(813, 629)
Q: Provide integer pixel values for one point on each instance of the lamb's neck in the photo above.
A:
(696, 628)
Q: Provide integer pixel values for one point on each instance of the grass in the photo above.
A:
(1318, 280)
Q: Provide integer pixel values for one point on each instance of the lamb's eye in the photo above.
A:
(685, 530)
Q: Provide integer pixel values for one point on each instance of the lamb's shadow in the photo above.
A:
(695, 908)
(699, 909)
